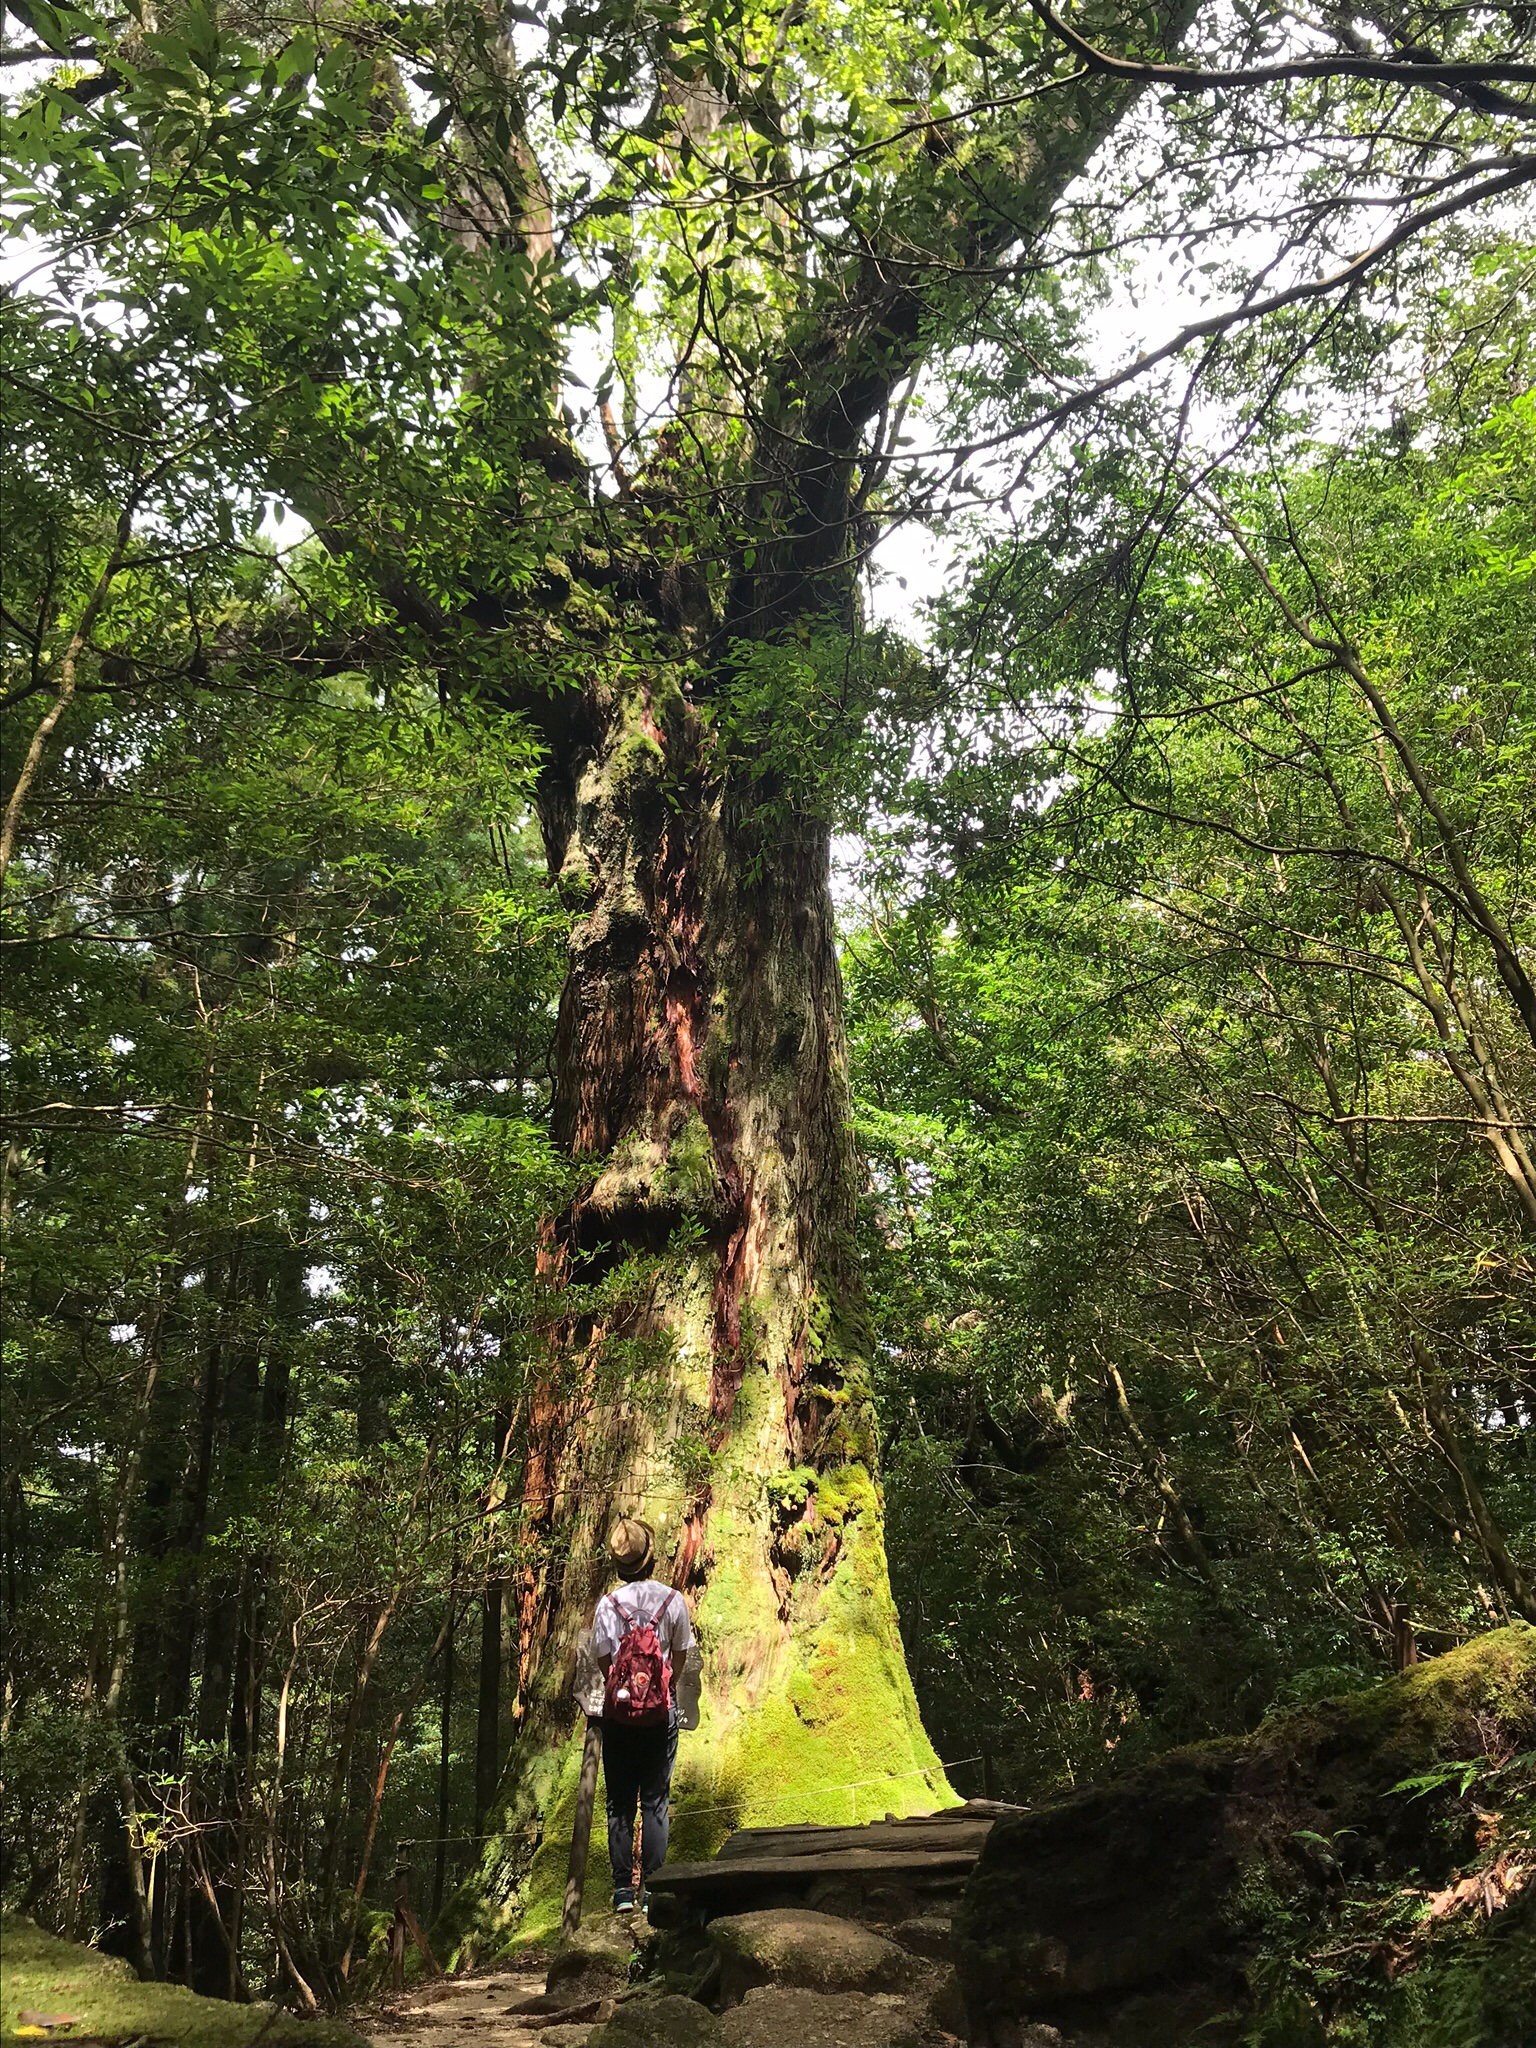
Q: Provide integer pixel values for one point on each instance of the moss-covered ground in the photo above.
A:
(40, 1973)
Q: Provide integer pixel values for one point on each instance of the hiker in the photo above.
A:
(642, 1639)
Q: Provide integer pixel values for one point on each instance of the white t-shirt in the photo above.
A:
(640, 1601)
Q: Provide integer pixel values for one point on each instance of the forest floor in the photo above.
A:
(454, 2012)
(51, 1986)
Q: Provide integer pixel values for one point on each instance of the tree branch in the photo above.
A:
(1411, 68)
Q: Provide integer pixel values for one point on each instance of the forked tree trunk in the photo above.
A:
(718, 1384)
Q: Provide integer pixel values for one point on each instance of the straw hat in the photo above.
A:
(632, 1548)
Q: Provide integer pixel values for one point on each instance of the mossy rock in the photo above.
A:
(811, 1951)
(665, 2022)
(594, 1964)
(785, 2016)
(604, 1941)
(41, 1973)
(1171, 1900)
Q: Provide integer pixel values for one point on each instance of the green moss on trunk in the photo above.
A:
(725, 1398)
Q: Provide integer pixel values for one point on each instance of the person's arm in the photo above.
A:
(604, 1635)
(681, 1629)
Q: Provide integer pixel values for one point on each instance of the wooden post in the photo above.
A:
(581, 1832)
(397, 1932)
(406, 1926)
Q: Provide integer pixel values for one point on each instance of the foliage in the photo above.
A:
(277, 1028)
(328, 556)
(1197, 1099)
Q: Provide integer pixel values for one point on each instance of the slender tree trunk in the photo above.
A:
(1512, 1580)
(488, 1704)
(488, 1692)
(445, 1756)
(1155, 1466)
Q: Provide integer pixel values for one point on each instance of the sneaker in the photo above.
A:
(624, 1899)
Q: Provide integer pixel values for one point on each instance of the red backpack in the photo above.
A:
(639, 1689)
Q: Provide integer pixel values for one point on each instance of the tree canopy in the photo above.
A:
(459, 461)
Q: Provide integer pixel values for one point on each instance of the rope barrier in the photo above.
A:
(848, 1785)
(729, 1805)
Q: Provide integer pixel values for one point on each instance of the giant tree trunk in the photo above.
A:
(716, 1383)
(707, 1353)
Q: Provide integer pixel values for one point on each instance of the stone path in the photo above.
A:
(454, 2012)
(904, 1874)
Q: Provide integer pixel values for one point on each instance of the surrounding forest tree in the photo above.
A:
(836, 268)
(1268, 1291)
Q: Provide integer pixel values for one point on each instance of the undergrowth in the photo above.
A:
(1410, 1964)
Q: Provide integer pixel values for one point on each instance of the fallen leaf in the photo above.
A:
(1491, 1889)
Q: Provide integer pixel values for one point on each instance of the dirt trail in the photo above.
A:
(454, 2012)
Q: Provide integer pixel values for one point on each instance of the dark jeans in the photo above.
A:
(637, 1765)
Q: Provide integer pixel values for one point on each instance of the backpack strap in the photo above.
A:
(639, 1619)
(629, 1620)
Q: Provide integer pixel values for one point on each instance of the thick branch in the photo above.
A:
(1476, 83)
(832, 381)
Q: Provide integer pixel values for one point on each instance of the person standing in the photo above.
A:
(641, 1638)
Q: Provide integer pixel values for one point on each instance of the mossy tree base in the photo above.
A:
(826, 1728)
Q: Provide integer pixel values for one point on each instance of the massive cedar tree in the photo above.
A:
(683, 640)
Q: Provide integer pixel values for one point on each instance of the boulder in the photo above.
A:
(808, 1951)
(1141, 1910)
(788, 2016)
(925, 1934)
(594, 1964)
(665, 2022)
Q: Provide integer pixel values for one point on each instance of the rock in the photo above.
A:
(810, 1951)
(665, 2022)
(606, 1940)
(945, 2004)
(925, 1934)
(565, 2036)
(1133, 1910)
(593, 1965)
(788, 2016)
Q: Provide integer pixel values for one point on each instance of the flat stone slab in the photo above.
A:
(731, 1878)
(939, 1847)
(957, 1827)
